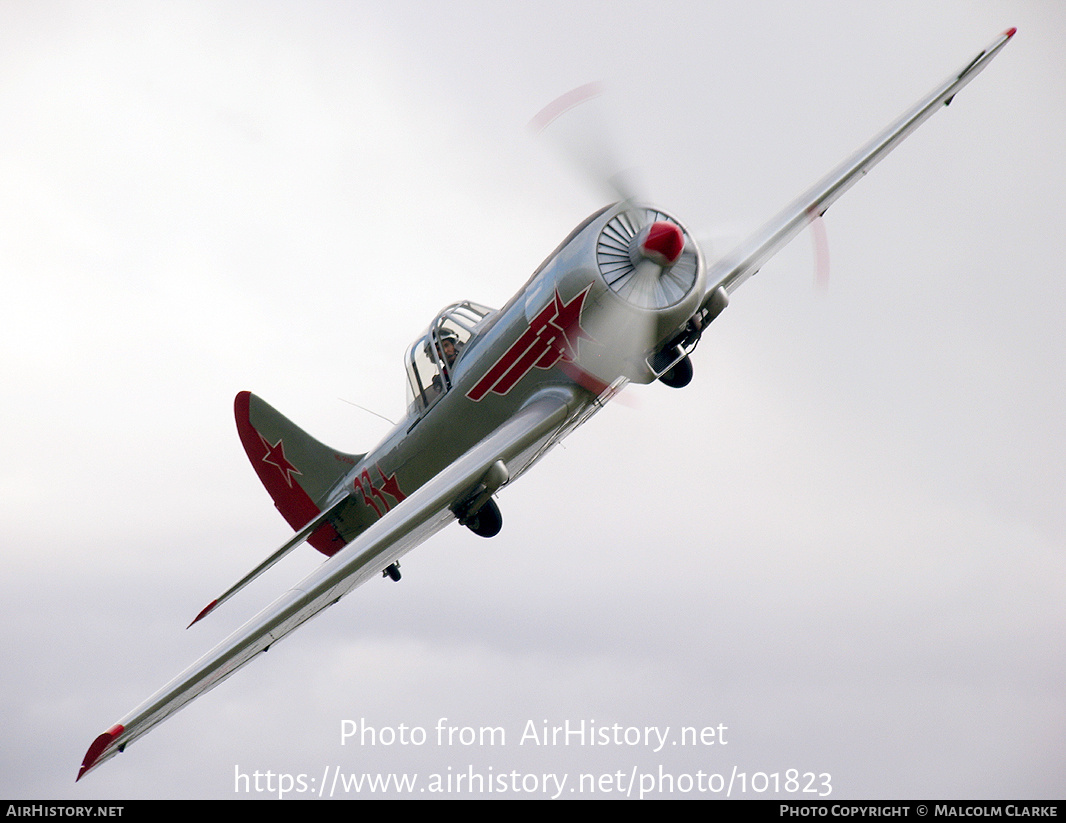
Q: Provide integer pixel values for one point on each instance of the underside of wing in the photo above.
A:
(728, 273)
(418, 517)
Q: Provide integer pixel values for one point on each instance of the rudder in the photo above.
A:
(297, 470)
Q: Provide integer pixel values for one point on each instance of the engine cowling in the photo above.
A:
(624, 282)
(653, 271)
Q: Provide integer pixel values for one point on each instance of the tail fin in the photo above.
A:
(297, 470)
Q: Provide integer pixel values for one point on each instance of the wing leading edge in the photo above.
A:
(732, 270)
(414, 520)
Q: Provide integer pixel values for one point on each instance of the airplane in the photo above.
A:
(625, 298)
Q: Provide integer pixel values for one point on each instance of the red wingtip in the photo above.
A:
(97, 749)
(1010, 32)
(204, 613)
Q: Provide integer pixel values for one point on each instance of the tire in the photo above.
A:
(679, 376)
(488, 521)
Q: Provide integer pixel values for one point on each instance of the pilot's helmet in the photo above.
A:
(442, 335)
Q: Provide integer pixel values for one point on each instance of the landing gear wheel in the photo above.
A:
(488, 521)
(392, 572)
(679, 376)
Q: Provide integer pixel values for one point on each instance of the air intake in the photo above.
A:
(645, 277)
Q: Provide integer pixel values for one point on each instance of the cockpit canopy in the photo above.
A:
(434, 359)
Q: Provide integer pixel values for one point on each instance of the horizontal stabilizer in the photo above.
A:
(291, 544)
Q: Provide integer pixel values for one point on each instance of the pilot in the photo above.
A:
(450, 347)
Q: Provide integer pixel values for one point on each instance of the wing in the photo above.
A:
(728, 273)
(415, 519)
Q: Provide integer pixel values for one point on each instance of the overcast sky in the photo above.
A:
(843, 542)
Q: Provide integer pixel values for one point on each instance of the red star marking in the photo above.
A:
(275, 456)
(390, 486)
(568, 321)
(551, 336)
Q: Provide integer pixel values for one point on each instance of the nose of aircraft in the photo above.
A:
(662, 243)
